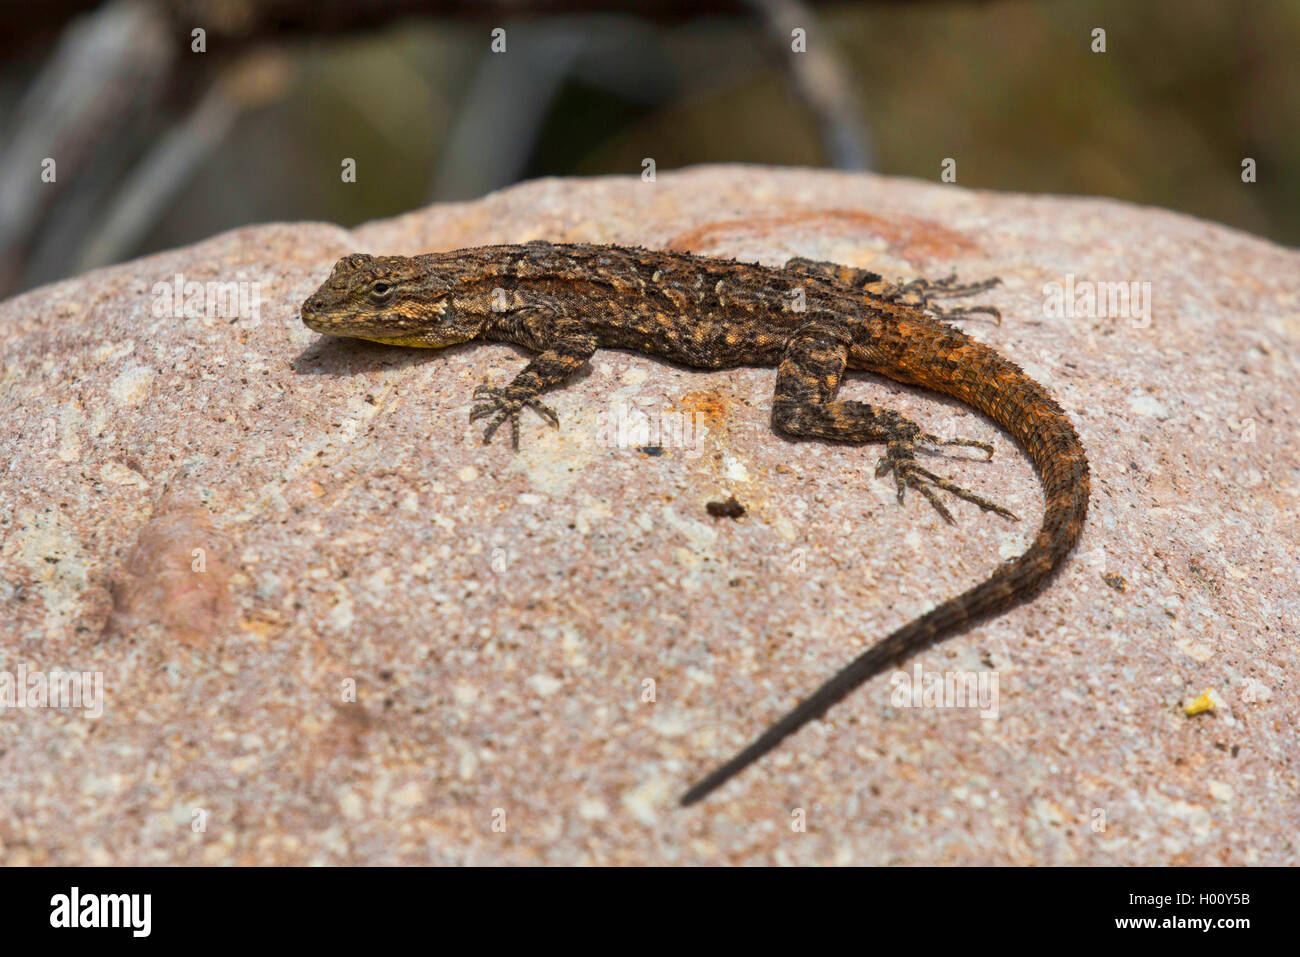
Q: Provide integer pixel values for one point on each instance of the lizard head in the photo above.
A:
(389, 299)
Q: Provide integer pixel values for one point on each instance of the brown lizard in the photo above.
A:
(811, 320)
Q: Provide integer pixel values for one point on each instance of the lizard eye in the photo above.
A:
(380, 290)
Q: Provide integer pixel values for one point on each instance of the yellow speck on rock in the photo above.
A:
(1208, 701)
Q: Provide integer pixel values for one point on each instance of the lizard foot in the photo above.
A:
(505, 405)
(900, 458)
(922, 293)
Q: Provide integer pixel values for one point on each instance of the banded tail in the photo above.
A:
(1002, 391)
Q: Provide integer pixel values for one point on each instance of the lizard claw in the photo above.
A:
(505, 405)
(984, 447)
(900, 458)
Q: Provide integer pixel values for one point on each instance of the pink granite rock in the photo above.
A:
(333, 627)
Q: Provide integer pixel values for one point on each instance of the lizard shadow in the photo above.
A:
(338, 357)
(345, 357)
(330, 356)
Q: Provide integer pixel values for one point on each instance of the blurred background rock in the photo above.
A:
(156, 145)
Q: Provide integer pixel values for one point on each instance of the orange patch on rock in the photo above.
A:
(908, 237)
(175, 576)
(709, 405)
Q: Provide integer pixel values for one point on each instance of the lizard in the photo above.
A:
(813, 321)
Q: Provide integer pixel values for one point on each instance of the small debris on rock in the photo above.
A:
(1208, 701)
(728, 509)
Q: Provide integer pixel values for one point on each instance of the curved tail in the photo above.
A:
(1003, 392)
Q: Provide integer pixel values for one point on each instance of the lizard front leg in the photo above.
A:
(806, 383)
(565, 349)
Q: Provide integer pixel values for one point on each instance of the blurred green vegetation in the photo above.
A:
(1011, 90)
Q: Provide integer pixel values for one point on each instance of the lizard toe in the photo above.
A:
(900, 459)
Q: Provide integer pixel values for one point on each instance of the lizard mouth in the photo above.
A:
(330, 327)
(310, 317)
(352, 329)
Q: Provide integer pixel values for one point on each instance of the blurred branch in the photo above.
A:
(501, 115)
(234, 21)
(107, 67)
(92, 108)
(822, 81)
(147, 192)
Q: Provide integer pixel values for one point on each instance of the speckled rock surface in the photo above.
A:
(237, 522)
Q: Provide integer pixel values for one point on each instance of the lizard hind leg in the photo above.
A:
(900, 458)
(804, 406)
(845, 275)
(924, 293)
(917, 293)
